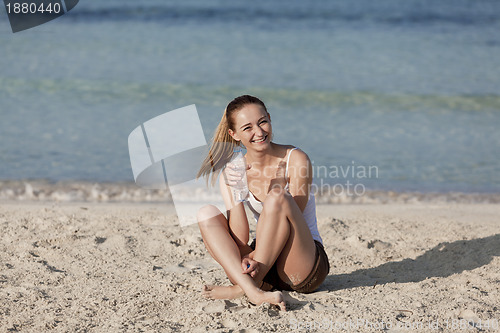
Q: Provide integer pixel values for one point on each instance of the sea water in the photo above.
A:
(408, 88)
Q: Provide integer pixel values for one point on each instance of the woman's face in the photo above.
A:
(252, 127)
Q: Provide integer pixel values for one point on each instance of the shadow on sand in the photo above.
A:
(441, 261)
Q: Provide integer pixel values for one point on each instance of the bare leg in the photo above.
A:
(283, 237)
(216, 235)
(222, 292)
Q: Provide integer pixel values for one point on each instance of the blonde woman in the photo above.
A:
(287, 253)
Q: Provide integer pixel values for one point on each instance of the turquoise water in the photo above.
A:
(411, 88)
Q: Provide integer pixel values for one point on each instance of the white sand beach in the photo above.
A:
(117, 267)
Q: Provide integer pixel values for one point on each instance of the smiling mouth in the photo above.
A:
(260, 140)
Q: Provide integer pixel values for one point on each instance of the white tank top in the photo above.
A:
(309, 213)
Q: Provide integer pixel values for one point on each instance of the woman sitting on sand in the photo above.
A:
(287, 253)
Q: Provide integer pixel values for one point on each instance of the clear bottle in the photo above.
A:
(240, 189)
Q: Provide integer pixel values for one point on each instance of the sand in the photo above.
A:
(111, 267)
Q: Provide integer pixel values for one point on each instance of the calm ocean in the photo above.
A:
(410, 87)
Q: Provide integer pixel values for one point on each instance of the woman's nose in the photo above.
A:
(258, 131)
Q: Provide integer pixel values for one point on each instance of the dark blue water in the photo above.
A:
(410, 87)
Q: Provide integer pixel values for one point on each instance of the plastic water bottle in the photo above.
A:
(240, 190)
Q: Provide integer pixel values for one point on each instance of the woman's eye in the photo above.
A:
(246, 128)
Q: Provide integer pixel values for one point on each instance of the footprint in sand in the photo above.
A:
(469, 316)
(228, 323)
(214, 307)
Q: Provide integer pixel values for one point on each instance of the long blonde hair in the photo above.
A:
(223, 144)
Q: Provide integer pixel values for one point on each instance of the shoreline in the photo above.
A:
(87, 191)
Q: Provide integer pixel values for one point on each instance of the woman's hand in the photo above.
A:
(249, 266)
(279, 181)
(231, 175)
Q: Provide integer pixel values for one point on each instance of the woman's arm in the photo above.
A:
(236, 215)
(300, 177)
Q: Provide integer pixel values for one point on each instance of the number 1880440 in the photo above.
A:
(33, 8)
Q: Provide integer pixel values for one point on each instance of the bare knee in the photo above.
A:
(275, 199)
(206, 213)
(275, 208)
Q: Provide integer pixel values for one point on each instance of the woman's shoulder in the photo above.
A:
(298, 165)
(294, 156)
(297, 156)
(287, 148)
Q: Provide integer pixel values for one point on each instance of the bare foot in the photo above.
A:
(274, 297)
(222, 292)
(232, 292)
